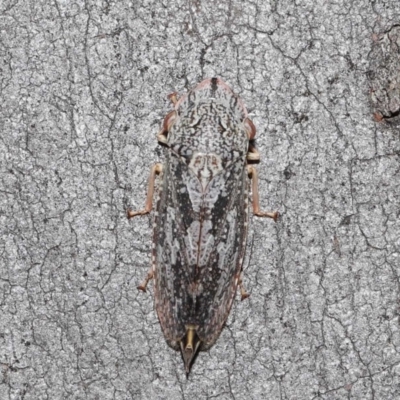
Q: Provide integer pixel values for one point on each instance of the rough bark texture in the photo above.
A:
(83, 92)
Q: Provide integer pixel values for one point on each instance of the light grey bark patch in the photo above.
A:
(384, 75)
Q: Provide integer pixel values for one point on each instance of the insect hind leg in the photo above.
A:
(149, 277)
(243, 294)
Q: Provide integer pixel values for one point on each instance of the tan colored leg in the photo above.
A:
(143, 285)
(243, 294)
(162, 136)
(169, 120)
(173, 97)
(256, 201)
(156, 169)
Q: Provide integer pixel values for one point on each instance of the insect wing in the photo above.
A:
(222, 271)
(200, 239)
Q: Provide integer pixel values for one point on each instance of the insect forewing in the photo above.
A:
(201, 219)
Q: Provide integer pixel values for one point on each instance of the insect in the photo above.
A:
(201, 217)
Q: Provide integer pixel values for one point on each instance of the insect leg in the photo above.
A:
(243, 294)
(169, 120)
(173, 97)
(150, 275)
(156, 169)
(252, 172)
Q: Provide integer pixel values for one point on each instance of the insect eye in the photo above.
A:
(250, 128)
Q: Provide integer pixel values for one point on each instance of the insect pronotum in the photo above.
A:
(201, 217)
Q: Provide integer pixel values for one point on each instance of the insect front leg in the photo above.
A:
(173, 97)
(252, 172)
(155, 170)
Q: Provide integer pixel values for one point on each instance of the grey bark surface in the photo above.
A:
(83, 92)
